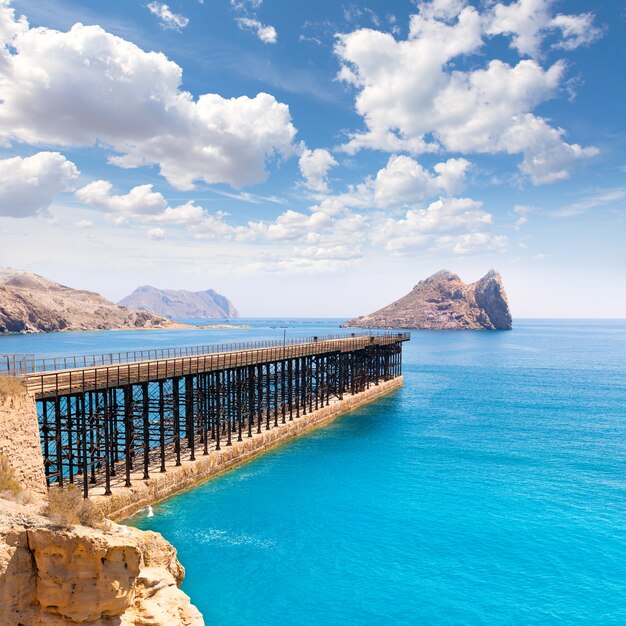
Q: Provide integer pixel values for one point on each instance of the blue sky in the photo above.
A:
(317, 159)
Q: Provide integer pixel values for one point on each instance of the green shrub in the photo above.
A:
(67, 507)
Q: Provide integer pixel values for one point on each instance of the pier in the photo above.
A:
(108, 421)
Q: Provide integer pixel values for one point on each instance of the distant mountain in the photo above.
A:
(445, 302)
(32, 304)
(180, 303)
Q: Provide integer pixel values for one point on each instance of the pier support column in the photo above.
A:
(19, 440)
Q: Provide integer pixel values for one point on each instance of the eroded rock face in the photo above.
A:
(53, 576)
(30, 304)
(444, 302)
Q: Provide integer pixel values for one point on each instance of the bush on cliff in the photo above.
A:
(9, 487)
(67, 507)
(11, 386)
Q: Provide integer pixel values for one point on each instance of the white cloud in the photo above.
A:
(412, 99)
(82, 224)
(472, 243)
(577, 30)
(156, 234)
(65, 88)
(314, 166)
(403, 181)
(246, 5)
(249, 21)
(297, 265)
(267, 34)
(523, 211)
(28, 185)
(445, 10)
(145, 206)
(141, 200)
(528, 22)
(292, 225)
(168, 20)
(437, 225)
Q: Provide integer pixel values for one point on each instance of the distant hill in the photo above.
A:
(33, 304)
(180, 303)
(444, 302)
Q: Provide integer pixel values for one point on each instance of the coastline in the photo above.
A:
(127, 501)
(172, 326)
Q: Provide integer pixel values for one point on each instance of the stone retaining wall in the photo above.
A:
(19, 441)
(125, 501)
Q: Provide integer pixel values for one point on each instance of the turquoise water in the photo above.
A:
(491, 489)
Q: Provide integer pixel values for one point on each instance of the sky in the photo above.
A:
(317, 159)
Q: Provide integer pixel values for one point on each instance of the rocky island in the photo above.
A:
(33, 304)
(180, 304)
(444, 302)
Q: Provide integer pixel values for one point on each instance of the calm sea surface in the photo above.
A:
(491, 489)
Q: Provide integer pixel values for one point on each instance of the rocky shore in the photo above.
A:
(33, 304)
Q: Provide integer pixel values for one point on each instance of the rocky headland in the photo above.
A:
(444, 302)
(33, 304)
(53, 575)
(180, 304)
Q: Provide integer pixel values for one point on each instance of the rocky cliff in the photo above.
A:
(445, 302)
(30, 303)
(56, 576)
(180, 304)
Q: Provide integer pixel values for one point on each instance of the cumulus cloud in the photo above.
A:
(145, 206)
(293, 225)
(141, 200)
(28, 185)
(434, 226)
(168, 19)
(65, 89)
(403, 181)
(528, 22)
(267, 34)
(314, 166)
(412, 99)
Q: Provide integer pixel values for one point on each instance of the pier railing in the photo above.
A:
(23, 364)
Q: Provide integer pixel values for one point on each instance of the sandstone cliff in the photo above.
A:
(30, 303)
(180, 303)
(445, 302)
(56, 576)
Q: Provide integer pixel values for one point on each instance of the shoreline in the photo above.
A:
(172, 326)
(128, 501)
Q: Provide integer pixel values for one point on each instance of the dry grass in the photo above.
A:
(11, 386)
(9, 486)
(67, 507)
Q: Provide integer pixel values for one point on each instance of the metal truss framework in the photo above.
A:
(102, 436)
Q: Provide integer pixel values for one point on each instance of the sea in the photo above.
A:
(490, 489)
